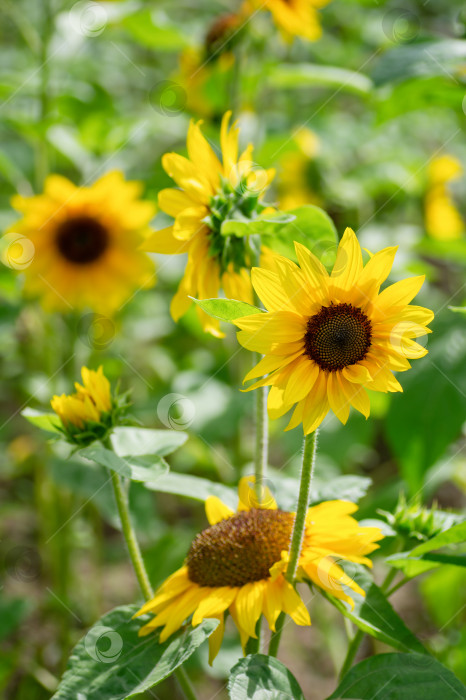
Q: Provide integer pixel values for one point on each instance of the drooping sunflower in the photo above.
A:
(328, 338)
(209, 191)
(86, 243)
(238, 565)
(292, 17)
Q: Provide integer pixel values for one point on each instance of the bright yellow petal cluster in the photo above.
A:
(199, 179)
(328, 338)
(443, 220)
(331, 535)
(292, 17)
(91, 399)
(85, 243)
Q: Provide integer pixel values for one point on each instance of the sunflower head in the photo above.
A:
(211, 190)
(91, 412)
(85, 243)
(237, 565)
(292, 17)
(328, 338)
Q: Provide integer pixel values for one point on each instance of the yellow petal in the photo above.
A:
(216, 510)
(216, 601)
(163, 241)
(336, 398)
(348, 265)
(301, 381)
(247, 496)
(216, 639)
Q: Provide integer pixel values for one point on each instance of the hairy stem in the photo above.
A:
(307, 469)
(262, 439)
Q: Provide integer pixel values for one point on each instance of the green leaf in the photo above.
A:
(194, 487)
(305, 75)
(262, 677)
(375, 615)
(111, 662)
(313, 228)
(424, 59)
(148, 468)
(458, 309)
(45, 421)
(417, 432)
(346, 488)
(269, 224)
(400, 677)
(163, 38)
(142, 441)
(226, 309)
(420, 559)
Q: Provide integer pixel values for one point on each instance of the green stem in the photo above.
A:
(398, 585)
(185, 684)
(138, 563)
(307, 469)
(351, 653)
(262, 439)
(276, 636)
(42, 147)
(359, 636)
(130, 536)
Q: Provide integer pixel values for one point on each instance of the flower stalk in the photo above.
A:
(137, 561)
(307, 470)
(262, 440)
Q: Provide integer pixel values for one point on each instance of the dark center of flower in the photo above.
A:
(81, 240)
(240, 549)
(337, 336)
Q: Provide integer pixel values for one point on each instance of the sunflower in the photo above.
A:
(292, 17)
(209, 191)
(328, 338)
(91, 412)
(238, 565)
(443, 220)
(86, 242)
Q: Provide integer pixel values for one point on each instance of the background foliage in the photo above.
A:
(87, 87)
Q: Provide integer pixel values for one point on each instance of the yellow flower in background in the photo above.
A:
(443, 220)
(204, 81)
(85, 243)
(294, 185)
(91, 400)
(209, 190)
(328, 338)
(238, 565)
(292, 17)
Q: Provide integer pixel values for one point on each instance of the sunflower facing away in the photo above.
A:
(238, 565)
(292, 17)
(209, 190)
(328, 338)
(86, 243)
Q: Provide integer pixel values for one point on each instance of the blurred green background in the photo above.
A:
(358, 123)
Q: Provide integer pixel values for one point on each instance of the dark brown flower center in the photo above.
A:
(240, 549)
(337, 336)
(81, 240)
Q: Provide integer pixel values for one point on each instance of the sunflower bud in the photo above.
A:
(91, 412)
(412, 520)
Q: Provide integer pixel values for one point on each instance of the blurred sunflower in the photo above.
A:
(86, 242)
(238, 565)
(292, 17)
(328, 338)
(443, 220)
(296, 172)
(210, 191)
